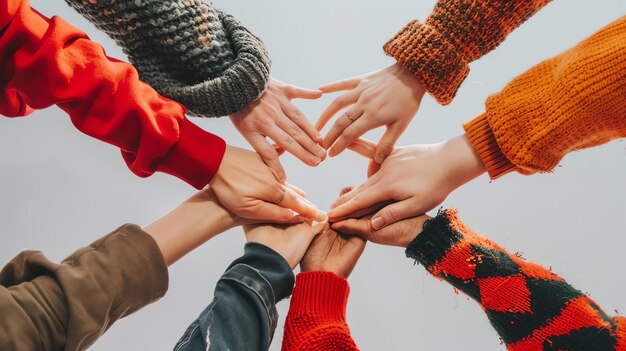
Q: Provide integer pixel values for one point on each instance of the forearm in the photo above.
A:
(570, 102)
(189, 225)
(527, 304)
(70, 305)
(456, 33)
(187, 50)
(104, 97)
(243, 313)
(317, 314)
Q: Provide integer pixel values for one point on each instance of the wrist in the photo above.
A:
(463, 164)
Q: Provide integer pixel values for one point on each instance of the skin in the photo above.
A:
(274, 116)
(410, 182)
(203, 217)
(389, 97)
(247, 187)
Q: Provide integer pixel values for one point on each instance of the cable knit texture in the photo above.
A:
(456, 33)
(572, 101)
(317, 314)
(187, 50)
(531, 308)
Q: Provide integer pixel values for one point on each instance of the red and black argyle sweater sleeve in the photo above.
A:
(530, 307)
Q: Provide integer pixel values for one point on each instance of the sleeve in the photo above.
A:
(104, 97)
(456, 33)
(243, 313)
(68, 306)
(572, 101)
(187, 50)
(317, 314)
(530, 307)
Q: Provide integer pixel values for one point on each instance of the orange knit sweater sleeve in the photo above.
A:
(572, 101)
(456, 33)
(317, 314)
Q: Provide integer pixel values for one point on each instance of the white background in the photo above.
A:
(60, 189)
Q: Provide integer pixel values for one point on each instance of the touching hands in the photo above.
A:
(334, 252)
(410, 182)
(389, 97)
(400, 233)
(289, 240)
(275, 117)
(250, 189)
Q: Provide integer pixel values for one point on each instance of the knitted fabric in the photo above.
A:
(572, 101)
(531, 308)
(317, 314)
(187, 50)
(456, 33)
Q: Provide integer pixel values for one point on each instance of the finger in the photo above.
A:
(339, 103)
(301, 121)
(288, 143)
(268, 153)
(299, 205)
(295, 92)
(366, 198)
(270, 212)
(296, 189)
(359, 127)
(355, 191)
(308, 142)
(394, 213)
(388, 141)
(363, 147)
(346, 190)
(372, 168)
(340, 125)
(344, 84)
(370, 210)
(278, 149)
(354, 226)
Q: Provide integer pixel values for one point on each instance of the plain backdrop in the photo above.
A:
(60, 190)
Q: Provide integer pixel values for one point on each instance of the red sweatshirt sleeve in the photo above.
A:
(47, 61)
(317, 314)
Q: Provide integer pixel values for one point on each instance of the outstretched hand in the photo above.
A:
(274, 116)
(412, 181)
(250, 189)
(389, 97)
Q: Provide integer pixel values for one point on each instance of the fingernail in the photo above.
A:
(315, 160)
(377, 223)
(319, 138)
(321, 216)
(379, 158)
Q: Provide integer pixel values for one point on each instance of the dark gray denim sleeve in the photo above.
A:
(243, 313)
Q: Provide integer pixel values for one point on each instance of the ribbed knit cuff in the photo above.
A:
(480, 134)
(436, 238)
(437, 63)
(322, 294)
(196, 156)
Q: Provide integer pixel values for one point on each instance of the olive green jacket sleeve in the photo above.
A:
(67, 306)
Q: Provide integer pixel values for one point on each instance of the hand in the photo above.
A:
(250, 189)
(333, 252)
(400, 233)
(275, 117)
(390, 97)
(417, 178)
(289, 240)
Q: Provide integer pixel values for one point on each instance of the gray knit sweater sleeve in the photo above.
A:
(186, 50)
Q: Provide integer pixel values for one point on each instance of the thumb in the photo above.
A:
(393, 213)
(303, 93)
(354, 226)
(270, 212)
(363, 147)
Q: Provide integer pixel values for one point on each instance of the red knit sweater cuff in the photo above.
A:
(320, 294)
(480, 134)
(436, 62)
(196, 156)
